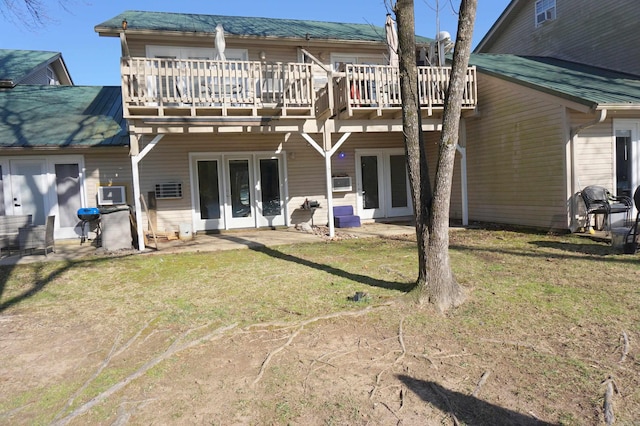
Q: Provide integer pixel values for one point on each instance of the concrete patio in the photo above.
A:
(67, 250)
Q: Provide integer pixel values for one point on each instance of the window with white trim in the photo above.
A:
(545, 11)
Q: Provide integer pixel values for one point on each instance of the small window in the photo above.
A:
(545, 11)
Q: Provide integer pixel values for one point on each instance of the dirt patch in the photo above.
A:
(377, 366)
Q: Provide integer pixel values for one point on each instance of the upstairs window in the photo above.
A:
(545, 11)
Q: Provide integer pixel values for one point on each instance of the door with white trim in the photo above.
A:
(208, 192)
(29, 188)
(239, 193)
(270, 190)
(382, 184)
(627, 156)
(43, 186)
(369, 184)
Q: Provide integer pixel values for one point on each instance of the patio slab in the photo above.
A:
(68, 250)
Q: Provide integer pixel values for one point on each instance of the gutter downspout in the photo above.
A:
(602, 115)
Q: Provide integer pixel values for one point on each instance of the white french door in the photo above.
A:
(270, 190)
(237, 190)
(627, 156)
(44, 186)
(382, 184)
(240, 193)
(208, 192)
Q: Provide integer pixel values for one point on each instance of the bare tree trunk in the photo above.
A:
(436, 283)
(412, 129)
(442, 289)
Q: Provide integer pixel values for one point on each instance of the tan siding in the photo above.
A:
(107, 167)
(595, 155)
(169, 161)
(600, 33)
(516, 160)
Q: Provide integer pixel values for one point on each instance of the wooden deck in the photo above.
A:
(161, 87)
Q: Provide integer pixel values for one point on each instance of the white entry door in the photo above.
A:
(240, 193)
(208, 194)
(46, 186)
(382, 184)
(270, 190)
(234, 190)
(29, 188)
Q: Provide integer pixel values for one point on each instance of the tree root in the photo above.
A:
(299, 326)
(625, 347)
(113, 353)
(398, 359)
(456, 422)
(172, 350)
(609, 417)
(519, 345)
(482, 381)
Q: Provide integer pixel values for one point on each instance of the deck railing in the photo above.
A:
(199, 87)
(378, 87)
(198, 83)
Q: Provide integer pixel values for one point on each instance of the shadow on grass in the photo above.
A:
(565, 251)
(588, 249)
(466, 408)
(42, 279)
(362, 279)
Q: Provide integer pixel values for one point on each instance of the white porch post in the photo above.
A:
(136, 157)
(327, 153)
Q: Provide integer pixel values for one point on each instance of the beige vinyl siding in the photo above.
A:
(107, 167)
(595, 153)
(515, 158)
(595, 32)
(305, 174)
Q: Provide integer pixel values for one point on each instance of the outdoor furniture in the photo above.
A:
(9, 226)
(38, 237)
(343, 217)
(630, 241)
(598, 200)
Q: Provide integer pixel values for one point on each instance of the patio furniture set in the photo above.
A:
(18, 233)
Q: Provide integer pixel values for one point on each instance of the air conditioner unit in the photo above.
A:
(167, 190)
(341, 183)
(112, 195)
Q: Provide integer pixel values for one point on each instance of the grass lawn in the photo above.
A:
(273, 336)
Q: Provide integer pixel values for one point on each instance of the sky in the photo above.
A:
(94, 60)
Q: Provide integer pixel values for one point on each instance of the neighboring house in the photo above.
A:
(558, 109)
(240, 134)
(58, 142)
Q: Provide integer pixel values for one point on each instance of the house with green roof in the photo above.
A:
(245, 122)
(58, 142)
(558, 110)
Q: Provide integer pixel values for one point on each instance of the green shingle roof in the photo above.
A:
(577, 82)
(246, 26)
(61, 116)
(17, 64)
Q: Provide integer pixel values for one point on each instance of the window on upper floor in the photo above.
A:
(52, 78)
(545, 11)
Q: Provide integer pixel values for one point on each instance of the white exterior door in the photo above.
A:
(369, 185)
(236, 190)
(382, 184)
(29, 188)
(627, 156)
(207, 192)
(240, 193)
(44, 186)
(270, 190)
